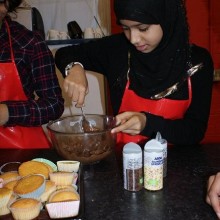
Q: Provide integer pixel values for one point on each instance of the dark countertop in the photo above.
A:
(182, 196)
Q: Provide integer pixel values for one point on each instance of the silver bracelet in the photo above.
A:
(70, 66)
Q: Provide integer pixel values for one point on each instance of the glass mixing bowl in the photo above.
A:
(72, 143)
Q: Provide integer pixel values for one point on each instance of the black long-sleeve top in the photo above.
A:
(109, 56)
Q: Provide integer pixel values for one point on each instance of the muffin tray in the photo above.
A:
(44, 214)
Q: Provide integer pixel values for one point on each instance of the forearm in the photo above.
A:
(179, 131)
(63, 57)
(90, 55)
(34, 112)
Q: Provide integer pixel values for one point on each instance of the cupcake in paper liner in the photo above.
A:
(5, 195)
(34, 167)
(63, 204)
(25, 208)
(63, 178)
(69, 187)
(49, 189)
(4, 210)
(31, 186)
(63, 209)
(10, 166)
(10, 176)
(11, 184)
(52, 166)
(64, 195)
(68, 165)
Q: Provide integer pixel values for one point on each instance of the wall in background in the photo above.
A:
(56, 14)
(204, 20)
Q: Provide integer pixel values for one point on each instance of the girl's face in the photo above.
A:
(145, 37)
(3, 11)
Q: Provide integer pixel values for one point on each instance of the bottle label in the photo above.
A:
(153, 170)
(133, 174)
(134, 179)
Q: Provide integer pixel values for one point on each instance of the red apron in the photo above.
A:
(11, 89)
(169, 109)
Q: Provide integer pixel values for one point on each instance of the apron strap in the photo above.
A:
(10, 43)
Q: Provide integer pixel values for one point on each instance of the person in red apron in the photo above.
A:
(158, 80)
(12, 95)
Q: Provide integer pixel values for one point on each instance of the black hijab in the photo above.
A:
(158, 70)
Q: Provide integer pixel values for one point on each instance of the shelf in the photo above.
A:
(68, 41)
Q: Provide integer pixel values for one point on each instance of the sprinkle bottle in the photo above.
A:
(133, 167)
(153, 165)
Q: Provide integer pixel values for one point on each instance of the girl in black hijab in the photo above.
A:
(172, 54)
(158, 81)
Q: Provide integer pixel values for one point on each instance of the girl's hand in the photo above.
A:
(76, 85)
(213, 193)
(130, 122)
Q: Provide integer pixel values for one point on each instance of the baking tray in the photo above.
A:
(44, 214)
